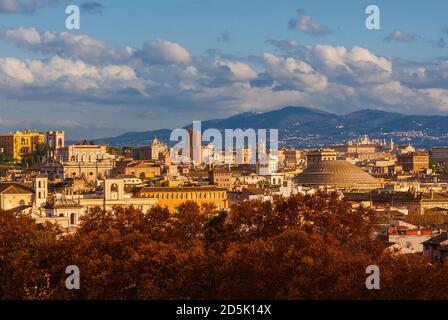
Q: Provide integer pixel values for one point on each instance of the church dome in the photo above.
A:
(337, 174)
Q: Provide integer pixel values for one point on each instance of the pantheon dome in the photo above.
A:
(338, 174)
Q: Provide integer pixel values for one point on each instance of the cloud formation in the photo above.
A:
(26, 38)
(305, 23)
(293, 74)
(284, 45)
(164, 77)
(61, 77)
(353, 66)
(400, 36)
(65, 44)
(24, 6)
(164, 52)
(92, 7)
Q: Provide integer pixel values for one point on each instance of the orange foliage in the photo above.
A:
(303, 247)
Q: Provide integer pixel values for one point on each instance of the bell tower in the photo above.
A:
(55, 141)
(40, 186)
(113, 189)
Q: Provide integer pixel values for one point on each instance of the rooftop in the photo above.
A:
(14, 188)
(178, 189)
(337, 173)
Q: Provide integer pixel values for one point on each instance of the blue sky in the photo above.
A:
(198, 23)
(144, 65)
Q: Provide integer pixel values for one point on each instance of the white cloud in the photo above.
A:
(65, 75)
(438, 96)
(238, 71)
(69, 44)
(361, 55)
(65, 44)
(14, 72)
(355, 66)
(292, 73)
(26, 38)
(423, 75)
(165, 76)
(165, 52)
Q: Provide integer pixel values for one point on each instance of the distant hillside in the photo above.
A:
(136, 138)
(308, 127)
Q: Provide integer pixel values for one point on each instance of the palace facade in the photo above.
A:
(173, 197)
(21, 144)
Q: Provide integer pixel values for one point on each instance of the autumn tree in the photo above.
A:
(301, 247)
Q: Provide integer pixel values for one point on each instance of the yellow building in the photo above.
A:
(14, 195)
(173, 197)
(139, 169)
(21, 143)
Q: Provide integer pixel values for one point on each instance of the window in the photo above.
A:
(72, 218)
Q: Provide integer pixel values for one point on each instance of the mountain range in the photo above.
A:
(304, 127)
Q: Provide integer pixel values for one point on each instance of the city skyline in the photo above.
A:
(132, 68)
(215, 153)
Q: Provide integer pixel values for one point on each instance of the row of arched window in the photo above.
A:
(186, 195)
(84, 158)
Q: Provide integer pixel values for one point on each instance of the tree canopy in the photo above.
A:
(302, 247)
